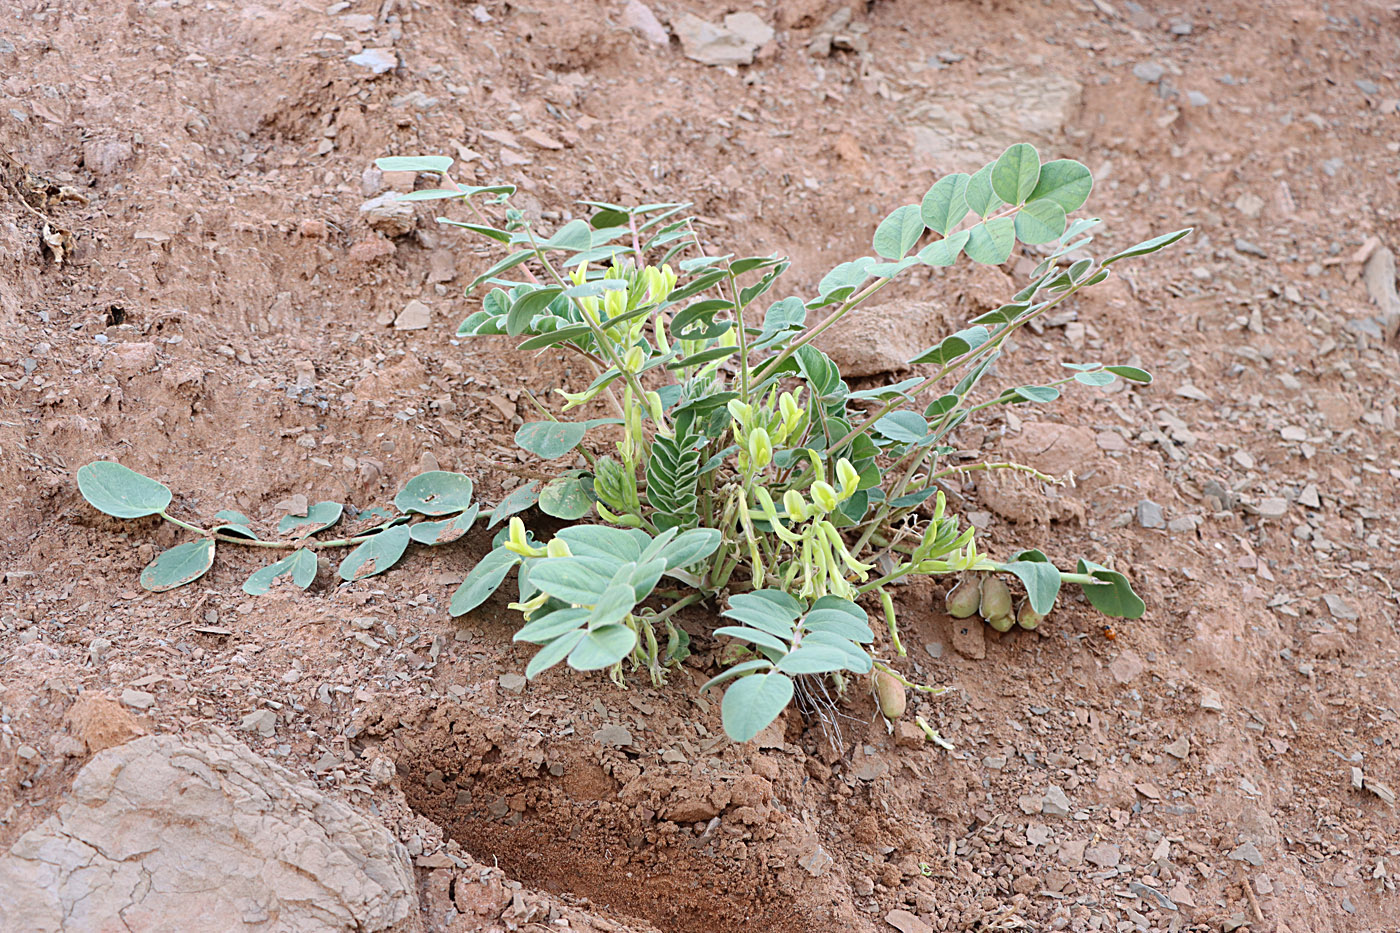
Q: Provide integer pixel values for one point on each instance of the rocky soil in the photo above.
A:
(201, 276)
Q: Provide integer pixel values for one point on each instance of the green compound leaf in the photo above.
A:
(376, 555)
(300, 565)
(1015, 173)
(1040, 221)
(944, 252)
(445, 531)
(437, 164)
(991, 241)
(566, 497)
(602, 647)
(1131, 373)
(1064, 181)
(550, 440)
(121, 492)
(1149, 246)
(436, 492)
(483, 580)
(1114, 597)
(945, 205)
(319, 517)
(1041, 578)
(979, 194)
(898, 232)
(518, 501)
(752, 702)
(182, 564)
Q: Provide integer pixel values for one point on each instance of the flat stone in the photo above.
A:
(639, 18)
(1211, 700)
(1247, 852)
(905, 922)
(515, 683)
(138, 699)
(1055, 802)
(1104, 855)
(1149, 514)
(1272, 507)
(1072, 853)
(261, 721)
(1150, 72)
(614, 735)
(733, 43)
(200, 836)
(816, 862)
(1181, 748)
(376, 60)
(1126, 667)
(1339, 607)
(388, 215)
(414, 316)
(1250, 205)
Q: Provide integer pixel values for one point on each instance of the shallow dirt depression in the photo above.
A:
(556, 816)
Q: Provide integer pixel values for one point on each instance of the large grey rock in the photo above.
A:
(186, 836)
(958, 127)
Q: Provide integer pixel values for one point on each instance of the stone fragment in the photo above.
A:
(614, 735)
(388, 215)
(100, 722)
(1055, 802)
(138, 699)
(515, 683)
(1180, 748)
(1126, 667)
(1247, 852)
(204, 836)
(905, 922)
(1104, 855)
(733, 43)
(376, 60)
(639, 18)
(414, 316)
(1149, 514)
(261, 721)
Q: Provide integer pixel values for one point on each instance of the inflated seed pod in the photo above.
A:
(996, 599)
(962, 600)
(1027, 617)
(890, 694)
(1001, 623)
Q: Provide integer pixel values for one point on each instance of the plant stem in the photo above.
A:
(922, 688)
(288, 545)
(812, 333)
(1003, 465)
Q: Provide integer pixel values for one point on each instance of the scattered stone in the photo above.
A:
(1055, 802)
(1072, 853)
(1149, 514)
(1183, 524)
(1181, 748)
(261, 721)
(905, 922)
(1150, 72)
(442, 266)
(733, 43)
(138, 699)
(1104, 855)
(1381, 790)
(1147, 893)
(816, 862)
(1247, 852)
(1369, 88)
(614, 735)
(1197, 99)
(388, 215)
(639, 18)
(515, 683)
(376, 60)
(1211, 700)
(1126, 667)
(130, 359)
(541, 140)
(1037, 834)
(1272, 507)
(1378, 273)
(414, 316)
(1310, 497)
(1250, 205)
(170, 833)
(1250, 248)
(311, 229)
(1339, 607)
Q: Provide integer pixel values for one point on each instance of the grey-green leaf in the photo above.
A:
(518, 501)
(1064, 181)
(1131, 373)
(483, 580)
(602, 647)
(376, 555)
(1041, 578)
(184, 563)
(991, 241)
(752, 702)
(979, 194)
(1040, 221)
(437, 164)
(300, 565)
(319, 517)
(945, 205)
(1015, 173)
(121, 492)
(1114, 596)
(550, 440)
(944, 252)
(447, 530)
(436, 492)
(1149, 246)
(898, 232)
(566, 498)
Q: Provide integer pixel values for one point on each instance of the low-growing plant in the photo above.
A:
(744, 470)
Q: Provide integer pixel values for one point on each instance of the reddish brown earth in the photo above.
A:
(221, 319)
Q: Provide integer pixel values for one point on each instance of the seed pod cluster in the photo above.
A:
(963, 599)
